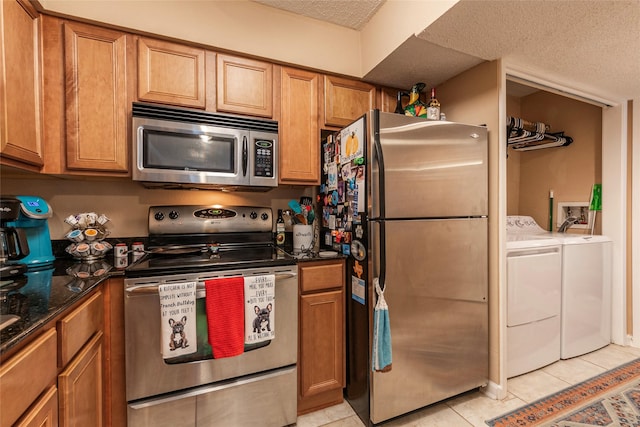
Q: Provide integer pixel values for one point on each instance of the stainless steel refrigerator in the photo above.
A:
(406, 200)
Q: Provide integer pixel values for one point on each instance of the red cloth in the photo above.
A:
(225, 316)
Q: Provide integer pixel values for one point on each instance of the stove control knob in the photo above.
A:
(253, 215)
(264, 216)
(159, 216)
(173, 215)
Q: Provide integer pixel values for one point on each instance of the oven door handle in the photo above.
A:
(213, 388)
(150, 289)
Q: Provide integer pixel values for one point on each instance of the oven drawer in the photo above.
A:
(244, 402)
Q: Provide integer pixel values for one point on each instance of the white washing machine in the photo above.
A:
(534, 276)
(586, 290)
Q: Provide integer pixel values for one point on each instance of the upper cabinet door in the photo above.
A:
(171, 73)
(20, 91)
(97, 108)
(245, 86)
(299, 141)
(345, 100)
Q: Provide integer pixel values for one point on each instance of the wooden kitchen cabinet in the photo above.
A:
(114, 373)
(245, 86)
(299, 135)
(26, 375)
(21, 89)
(345, 100)
(81, 382)
(87, 98)
(175, 74)
(96, 103)
(321, 355)
(80, 387)
(59, 377)
(44, 411)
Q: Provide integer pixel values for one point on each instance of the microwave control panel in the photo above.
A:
(264, 158)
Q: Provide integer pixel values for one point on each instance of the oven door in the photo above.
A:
(148, 374)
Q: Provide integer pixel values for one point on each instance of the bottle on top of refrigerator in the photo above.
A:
(433, 107)
(280, 237)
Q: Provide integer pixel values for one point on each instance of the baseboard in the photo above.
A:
(494, 391)
(629, 342)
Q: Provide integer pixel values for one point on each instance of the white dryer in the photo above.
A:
(534, 273)
(586, 288)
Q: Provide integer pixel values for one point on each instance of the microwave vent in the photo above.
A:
(154, 111)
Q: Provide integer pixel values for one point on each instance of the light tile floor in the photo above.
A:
(473, 408)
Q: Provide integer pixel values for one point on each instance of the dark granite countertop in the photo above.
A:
(46, 293)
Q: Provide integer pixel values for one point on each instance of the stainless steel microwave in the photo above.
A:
(185, 148)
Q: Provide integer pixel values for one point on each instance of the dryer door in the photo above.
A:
(533, 284)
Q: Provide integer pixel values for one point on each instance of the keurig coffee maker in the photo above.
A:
(33, 221)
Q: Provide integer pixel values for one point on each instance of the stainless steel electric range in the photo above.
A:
(198, 244)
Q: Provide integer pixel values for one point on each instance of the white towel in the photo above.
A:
(178, 319)
(259, 308)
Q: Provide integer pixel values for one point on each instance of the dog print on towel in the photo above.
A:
(262, 322)
(178, 337)
(260, 312)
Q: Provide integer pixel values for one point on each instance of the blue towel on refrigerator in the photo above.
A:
(381, 352)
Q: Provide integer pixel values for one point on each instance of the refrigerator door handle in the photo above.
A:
(383, 256)
(378, 157)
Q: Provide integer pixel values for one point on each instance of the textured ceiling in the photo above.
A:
(592, 44)
(346, 13)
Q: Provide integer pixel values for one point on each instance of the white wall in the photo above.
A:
(614, 193)
(635, 223)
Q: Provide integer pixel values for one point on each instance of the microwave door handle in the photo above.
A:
(245, 155)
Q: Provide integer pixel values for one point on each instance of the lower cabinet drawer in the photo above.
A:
(319, 275)
(26, 375)
(79, 326)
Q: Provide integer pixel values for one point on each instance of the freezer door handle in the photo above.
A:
(378, 158)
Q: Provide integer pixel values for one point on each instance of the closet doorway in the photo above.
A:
(537, 171)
